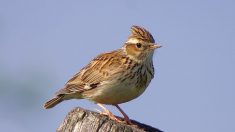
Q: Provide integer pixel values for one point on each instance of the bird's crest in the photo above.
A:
(141, 33)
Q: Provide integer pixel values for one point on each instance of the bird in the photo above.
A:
(115, 77)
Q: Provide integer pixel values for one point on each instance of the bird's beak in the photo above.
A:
(155, 46)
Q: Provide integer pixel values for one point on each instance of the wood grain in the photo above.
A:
(81, 120)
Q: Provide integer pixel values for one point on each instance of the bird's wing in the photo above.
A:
(101, 68)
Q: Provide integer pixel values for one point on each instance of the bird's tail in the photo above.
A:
(52, 102)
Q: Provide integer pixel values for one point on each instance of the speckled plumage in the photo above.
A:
(114, 77)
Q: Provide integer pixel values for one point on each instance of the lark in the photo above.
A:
(114, 77)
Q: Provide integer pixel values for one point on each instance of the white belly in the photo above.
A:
(115, 93)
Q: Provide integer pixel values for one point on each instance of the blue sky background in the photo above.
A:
(44, 42)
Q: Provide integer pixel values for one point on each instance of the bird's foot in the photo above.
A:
(118, 119)
(128, 121)
(108, 113)
(111, 116)
(126, 118)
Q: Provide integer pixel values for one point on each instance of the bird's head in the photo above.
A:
(140, 44)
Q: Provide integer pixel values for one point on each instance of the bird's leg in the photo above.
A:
(108, 113)
(126, 118)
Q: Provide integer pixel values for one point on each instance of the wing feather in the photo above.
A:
(100, 69)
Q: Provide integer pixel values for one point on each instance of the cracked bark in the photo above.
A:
(81, 120)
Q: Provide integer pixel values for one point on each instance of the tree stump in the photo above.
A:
(81, 120)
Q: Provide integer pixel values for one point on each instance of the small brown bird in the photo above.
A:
(115, 77)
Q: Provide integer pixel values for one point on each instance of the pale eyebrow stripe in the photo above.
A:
(132, 40)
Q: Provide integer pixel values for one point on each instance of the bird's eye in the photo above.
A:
(139, 45)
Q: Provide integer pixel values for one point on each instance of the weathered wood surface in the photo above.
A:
(81, 120)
